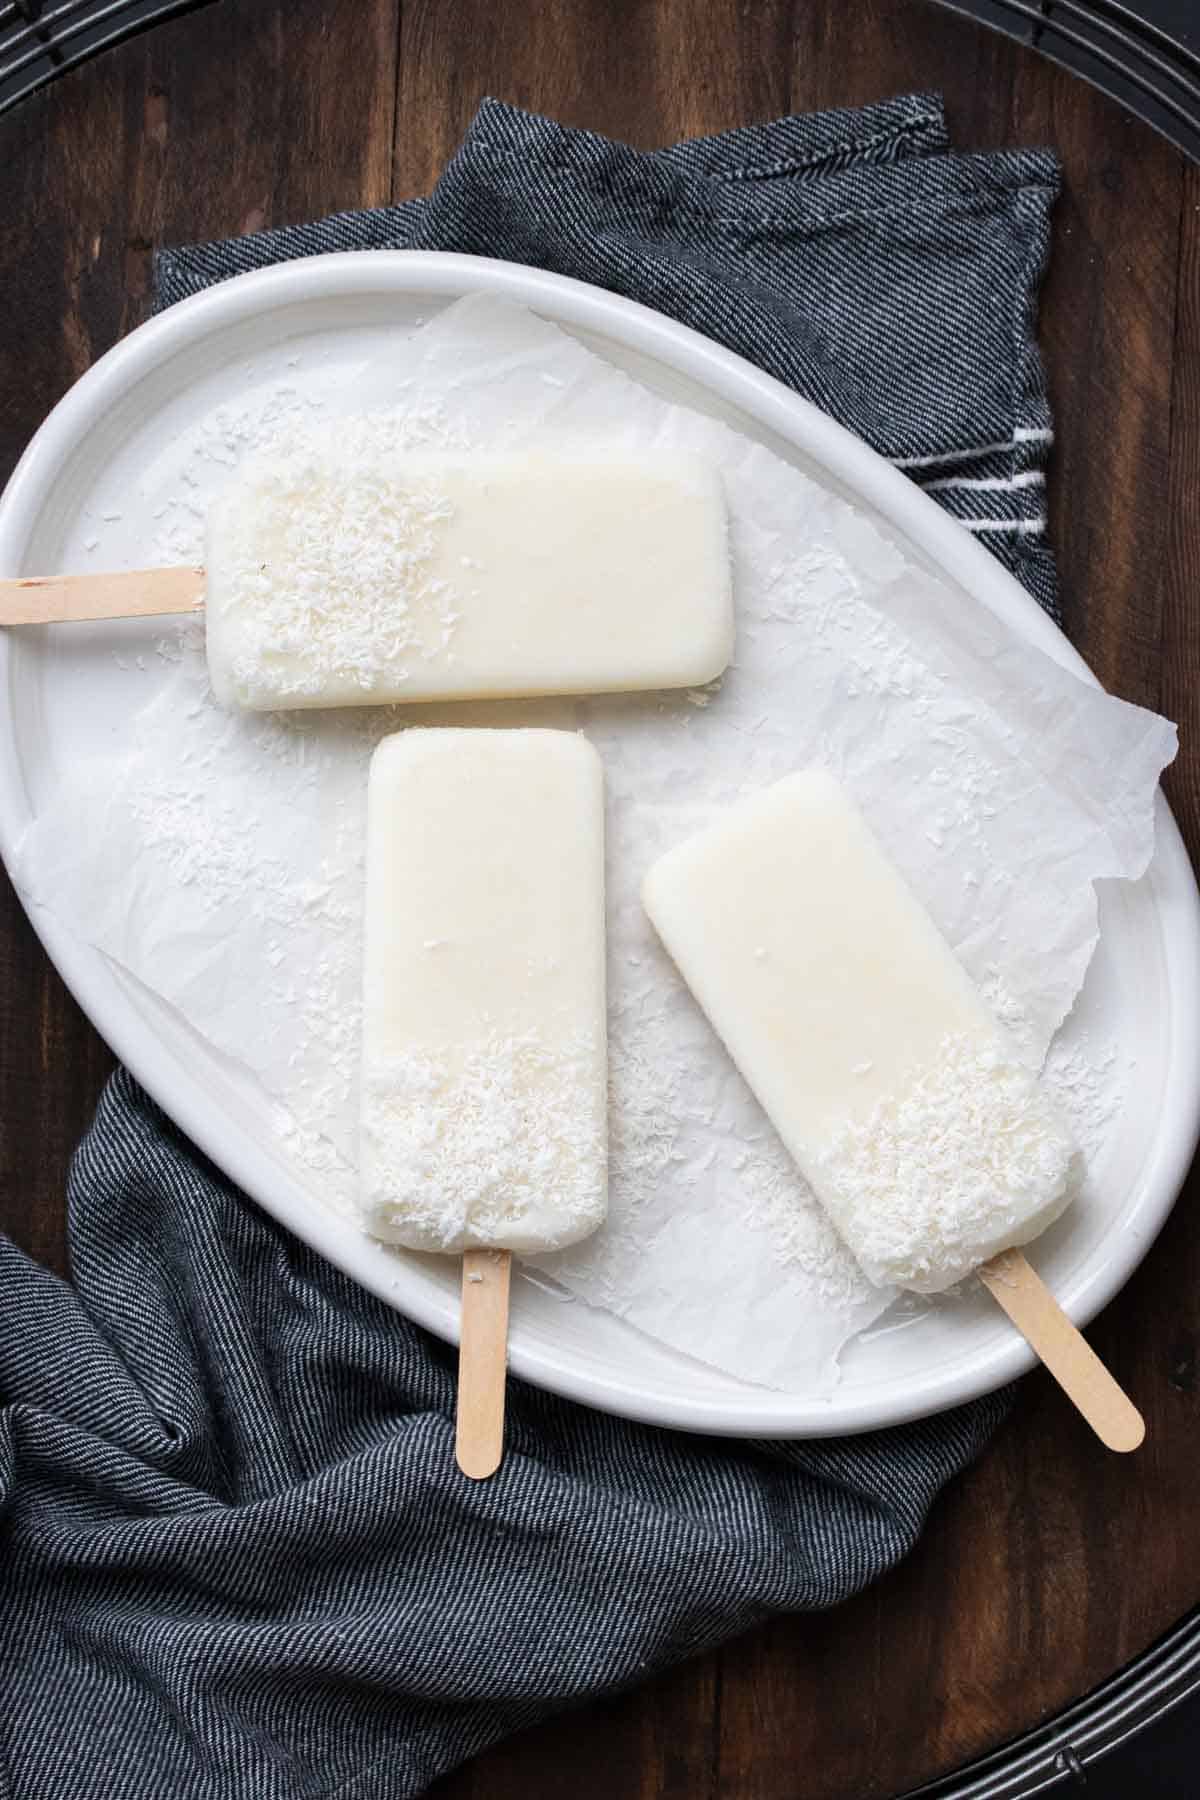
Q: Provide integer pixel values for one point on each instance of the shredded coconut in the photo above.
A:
(804, 1242)
(321, 576)
(1088, 1081)
(500, 1143)
(971, 1158)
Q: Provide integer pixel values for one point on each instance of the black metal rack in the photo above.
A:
(1070, 1753)
(1146, 56)
(39, 39)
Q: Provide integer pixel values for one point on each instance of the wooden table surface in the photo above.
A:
(1050, 1564)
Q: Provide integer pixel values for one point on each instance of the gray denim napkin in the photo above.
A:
(238, 1560)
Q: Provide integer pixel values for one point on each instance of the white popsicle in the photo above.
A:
(861, 1034)
(338, 579)
(484, 1068)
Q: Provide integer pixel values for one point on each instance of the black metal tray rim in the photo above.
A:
(1058, 1753)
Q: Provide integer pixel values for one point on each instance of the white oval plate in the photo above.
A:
(63, 699)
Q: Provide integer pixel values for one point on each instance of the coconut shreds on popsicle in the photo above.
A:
(338, 577)
(484, 1062)
(927, 1141)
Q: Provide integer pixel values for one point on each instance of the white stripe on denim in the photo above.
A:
(1028, 526)
(1024, 434)
(1028, 478)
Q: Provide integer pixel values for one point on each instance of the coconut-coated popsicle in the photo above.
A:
(484, 1087)
(484, 1090)
(934, 1151)
(929, 1144)
(345, 578)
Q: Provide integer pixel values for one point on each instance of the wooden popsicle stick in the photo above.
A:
(1063, 1350)
(482, 1362)
(126, 594)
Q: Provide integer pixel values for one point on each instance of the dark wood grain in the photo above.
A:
(1109, 315)
(1048, 1565)
(1178, 577)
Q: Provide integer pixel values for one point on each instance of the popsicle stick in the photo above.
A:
(127, 594)
(1063, 1350)
(482, 1362)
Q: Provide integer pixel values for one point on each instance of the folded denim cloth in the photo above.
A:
(238, 1559)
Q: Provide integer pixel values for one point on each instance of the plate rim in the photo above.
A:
(96, 985)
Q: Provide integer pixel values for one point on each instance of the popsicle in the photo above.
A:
(484, 1078)
(351, 579)
(931, 1146)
